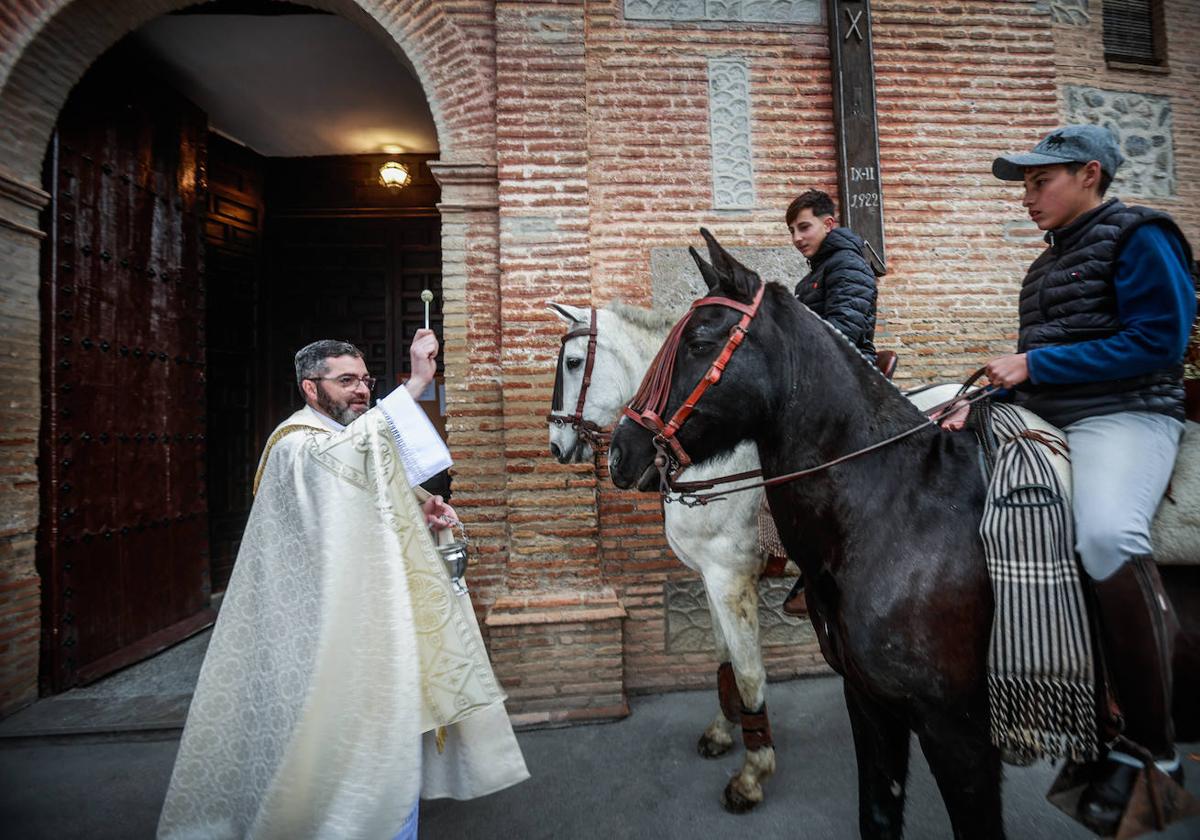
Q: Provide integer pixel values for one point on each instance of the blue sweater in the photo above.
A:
(1156, 302)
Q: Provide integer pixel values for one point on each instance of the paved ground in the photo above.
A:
(638, 778)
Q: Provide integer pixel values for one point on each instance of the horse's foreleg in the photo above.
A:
(967, 769)
(717, 739)
(881, 747)
(733, 599)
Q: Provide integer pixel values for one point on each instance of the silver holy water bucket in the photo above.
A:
(454, 554)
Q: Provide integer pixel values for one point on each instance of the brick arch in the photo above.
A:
(46, 52)
(45, 49)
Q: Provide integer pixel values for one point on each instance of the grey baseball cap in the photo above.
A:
(1071, 144)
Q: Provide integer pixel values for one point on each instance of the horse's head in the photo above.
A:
(730, 410)
(606, 392)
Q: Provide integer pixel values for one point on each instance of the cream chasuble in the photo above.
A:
(339, 650)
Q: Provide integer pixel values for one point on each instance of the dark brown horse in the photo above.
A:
(897, 582)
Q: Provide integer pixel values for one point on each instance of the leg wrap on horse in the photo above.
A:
(756, 729)
(727, 693)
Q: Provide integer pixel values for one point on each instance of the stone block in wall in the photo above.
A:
(737, 11)
(689, 623)
(676, 281)
(1141, 123)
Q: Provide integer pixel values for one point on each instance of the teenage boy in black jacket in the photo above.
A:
(841, 285)
(1105, 314)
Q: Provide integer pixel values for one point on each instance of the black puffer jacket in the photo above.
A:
(1068, 297)
(841, 288)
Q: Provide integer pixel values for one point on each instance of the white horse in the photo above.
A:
(719, 541)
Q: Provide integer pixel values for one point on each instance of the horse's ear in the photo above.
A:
(736, 280)
(570, 314)
(711, 279)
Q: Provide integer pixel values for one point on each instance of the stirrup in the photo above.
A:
(1155, 802)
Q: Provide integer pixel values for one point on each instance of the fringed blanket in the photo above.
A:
(1041, 677)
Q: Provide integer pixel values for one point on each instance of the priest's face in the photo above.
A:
(343, 403)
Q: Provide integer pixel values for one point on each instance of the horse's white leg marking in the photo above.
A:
(733, 598)
(717, 739)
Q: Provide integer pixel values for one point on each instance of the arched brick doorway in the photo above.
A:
(39, 64)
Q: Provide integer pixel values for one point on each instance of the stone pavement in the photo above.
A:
(637, 778)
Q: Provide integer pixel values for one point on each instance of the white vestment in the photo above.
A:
(340, 649)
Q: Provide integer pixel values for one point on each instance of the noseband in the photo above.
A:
(650, 402)
(586, 429)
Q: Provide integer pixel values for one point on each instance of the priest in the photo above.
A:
(346, 677)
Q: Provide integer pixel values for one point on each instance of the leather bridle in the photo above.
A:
(650, 402)
(647, 406)
(596, 436)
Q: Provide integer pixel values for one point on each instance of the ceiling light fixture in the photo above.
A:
(394, 175)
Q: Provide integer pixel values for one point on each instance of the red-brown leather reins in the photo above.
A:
(586, 429)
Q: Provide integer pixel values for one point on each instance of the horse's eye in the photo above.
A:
(574, 363)
(699, 348)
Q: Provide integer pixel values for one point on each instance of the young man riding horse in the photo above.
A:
(1105, 314)
(840, 287)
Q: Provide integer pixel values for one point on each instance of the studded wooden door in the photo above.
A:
(354, 279)
(122, 543)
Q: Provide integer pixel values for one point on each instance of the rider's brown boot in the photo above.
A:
(1138, 632)
(795, 603)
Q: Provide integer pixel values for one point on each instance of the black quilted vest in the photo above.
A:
(1068, 297)
(840, 260)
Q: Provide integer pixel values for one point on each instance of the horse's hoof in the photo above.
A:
(733, 801)
(709, 748)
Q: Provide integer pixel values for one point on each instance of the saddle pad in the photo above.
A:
(1041, 677)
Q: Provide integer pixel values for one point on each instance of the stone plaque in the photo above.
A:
(729, 132)
(689, 623)
(1072, 12)
(1141, 123)
(853, 68)
(676, 281)
(740, 11)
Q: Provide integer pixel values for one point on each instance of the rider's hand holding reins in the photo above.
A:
(1003, 372)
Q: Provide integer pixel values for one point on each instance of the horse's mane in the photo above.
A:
(785, 298)
(647, 319)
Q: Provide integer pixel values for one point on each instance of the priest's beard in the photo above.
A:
(345, 411)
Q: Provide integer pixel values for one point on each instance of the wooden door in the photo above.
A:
(122, 543)
(233, 268)
(354, 279)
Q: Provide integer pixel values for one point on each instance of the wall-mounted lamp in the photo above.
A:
(394, 175)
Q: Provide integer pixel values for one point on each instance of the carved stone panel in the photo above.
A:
(1142, 125)
(676, 281)
(1071, 12)
(729, 131)
(740, 11)
(689, 623)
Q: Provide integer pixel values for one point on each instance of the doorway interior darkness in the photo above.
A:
(205, 266)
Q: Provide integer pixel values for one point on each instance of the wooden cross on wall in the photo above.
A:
(855, 123)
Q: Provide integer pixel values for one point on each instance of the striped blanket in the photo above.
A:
(1041, 675)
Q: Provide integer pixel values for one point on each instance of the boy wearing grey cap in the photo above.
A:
(1105, 314)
